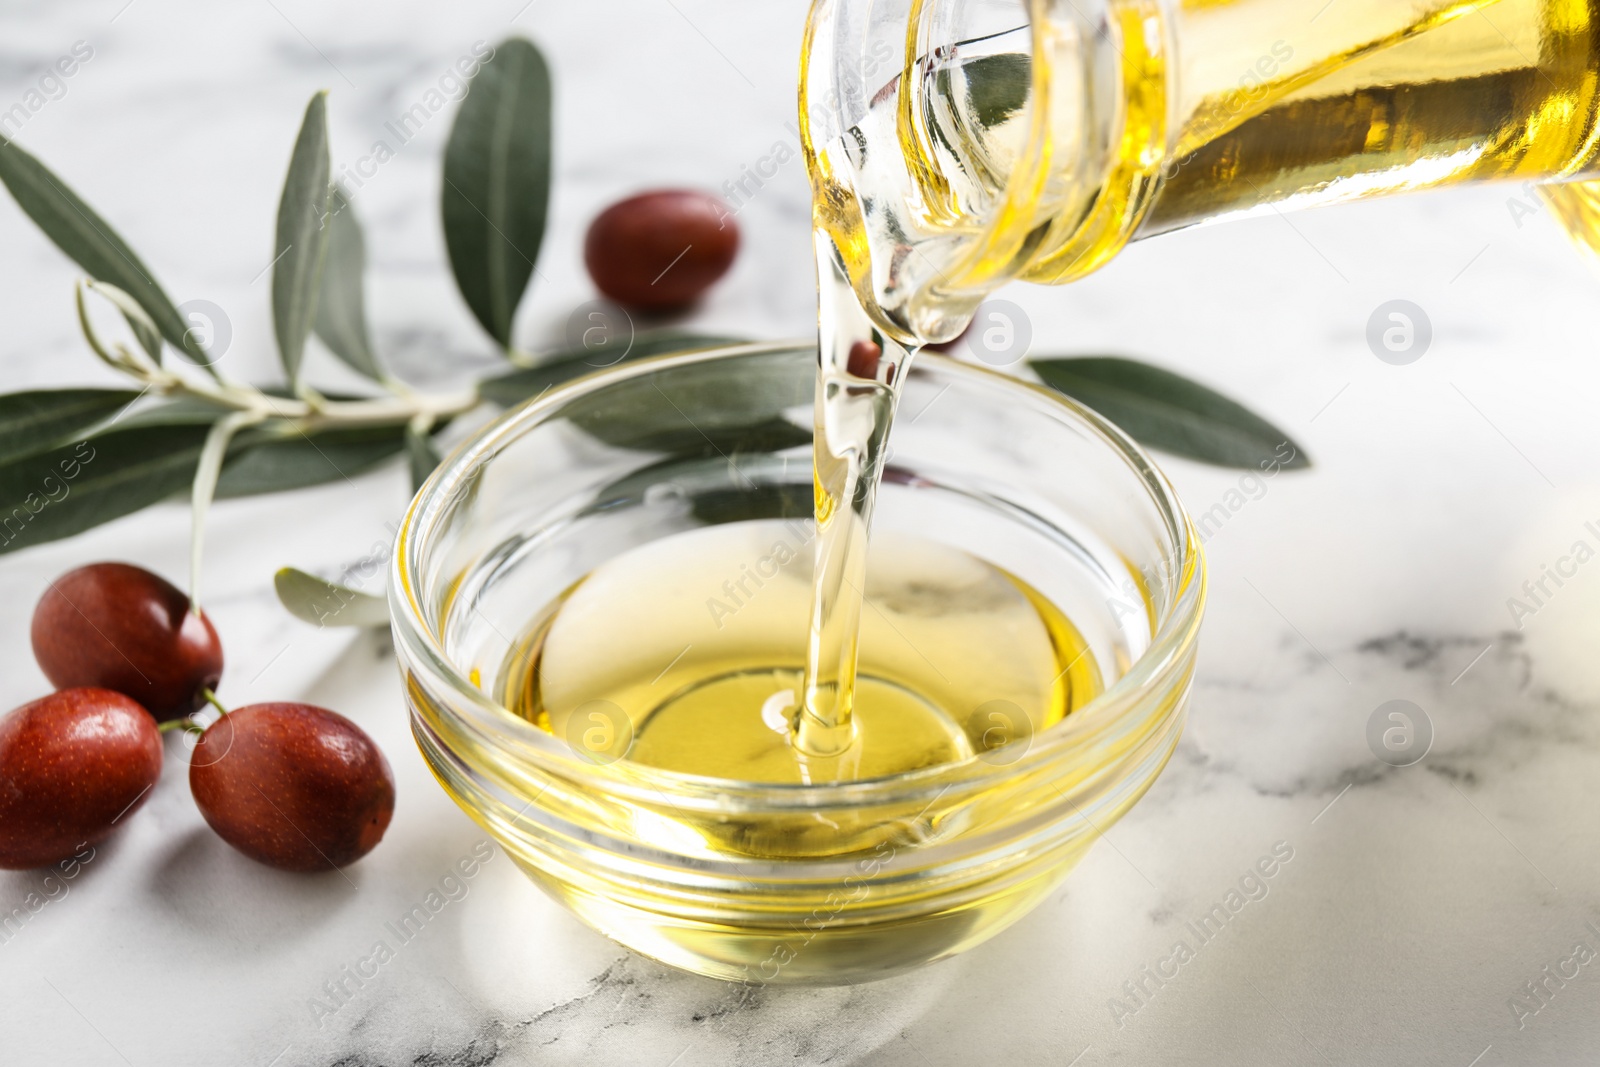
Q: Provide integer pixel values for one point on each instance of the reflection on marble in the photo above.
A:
(1422, 904)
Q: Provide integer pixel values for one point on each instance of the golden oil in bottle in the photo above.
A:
(1378, 97)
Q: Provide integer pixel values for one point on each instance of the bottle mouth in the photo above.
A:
(910, 127)
(479, 724)
(954, 147)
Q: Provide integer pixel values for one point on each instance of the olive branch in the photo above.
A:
(184, 425)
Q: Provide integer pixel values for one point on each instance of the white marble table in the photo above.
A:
(1418, 901)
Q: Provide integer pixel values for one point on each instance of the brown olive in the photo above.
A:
(73, 766)
(293, 786)
(864, 359)
(117, 626)
(659, 251)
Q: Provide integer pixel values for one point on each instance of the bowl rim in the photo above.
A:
(1112, 711)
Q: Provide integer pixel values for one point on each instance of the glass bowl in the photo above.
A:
(669, 864)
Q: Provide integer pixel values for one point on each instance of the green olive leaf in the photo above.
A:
(323, 603)
(743, 409)
(496, 189)
(72, 488)
(1169, 412)
(183, 411)
(341, 316)
(566, 364)
(276, 459)
(61, 491)
(669, 431)
(997, 86)
(717, 489)
(717, 506)
(40, 419)
(302, 238)
(91, 243)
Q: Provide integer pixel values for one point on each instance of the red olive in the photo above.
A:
(660, 251)
(293, 786)
(117, 626)
(72, 767)
(863, 359)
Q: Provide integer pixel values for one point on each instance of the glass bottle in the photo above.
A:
(955, 145)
